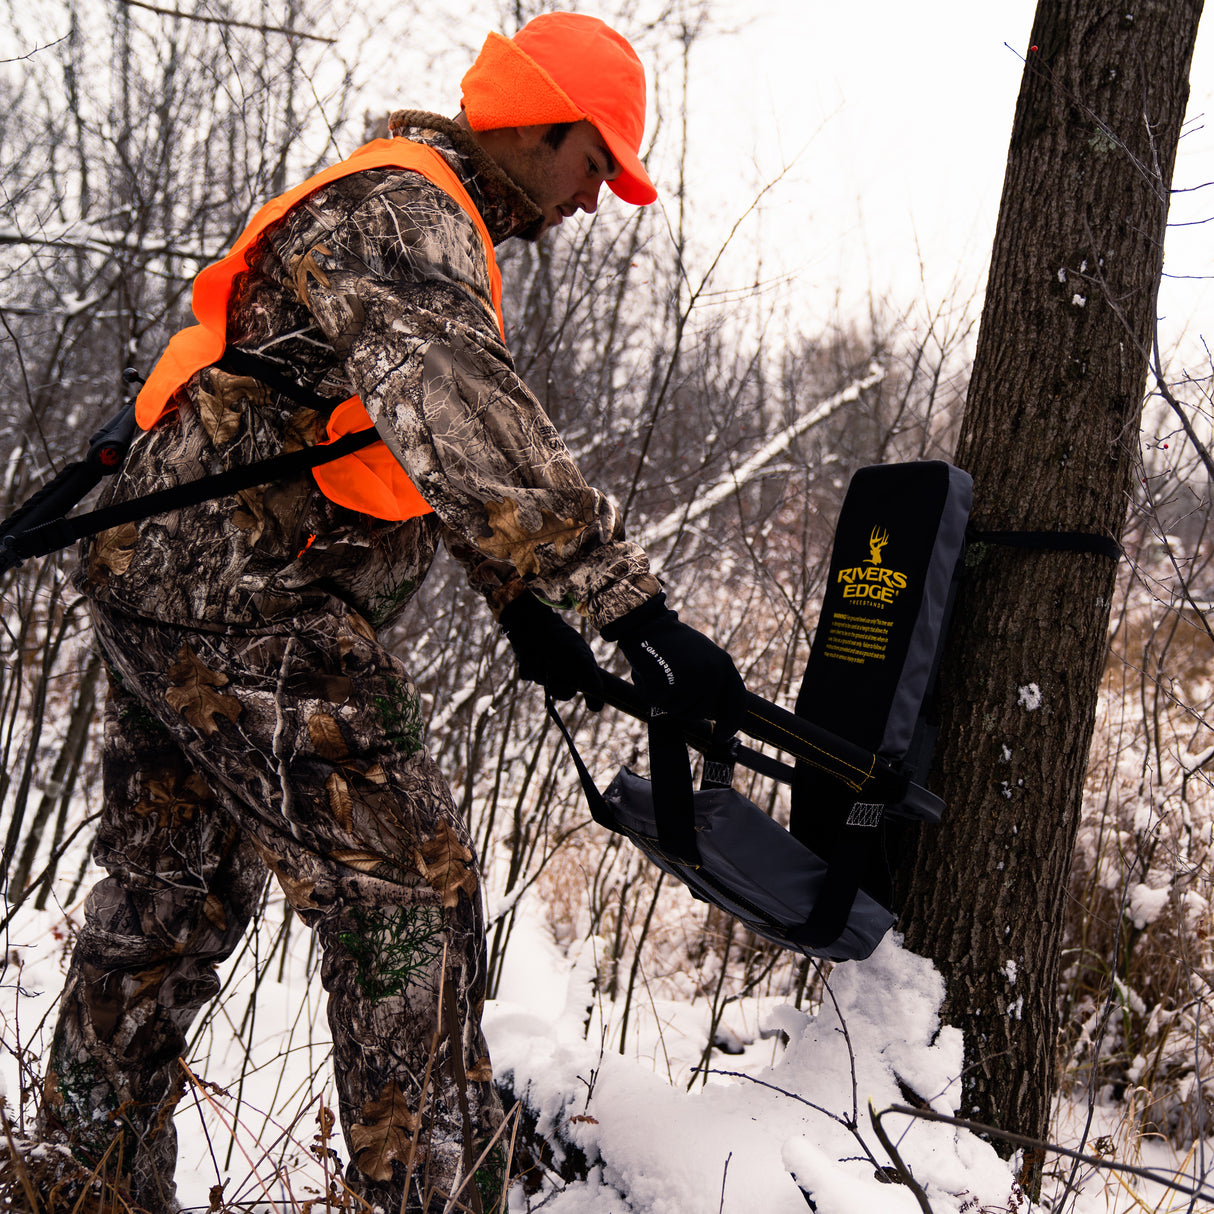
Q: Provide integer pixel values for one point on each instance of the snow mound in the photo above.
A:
(760, 1131)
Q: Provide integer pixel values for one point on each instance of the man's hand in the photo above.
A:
(550, 652)
(677, 669)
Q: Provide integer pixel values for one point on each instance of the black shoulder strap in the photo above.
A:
(243, 362)
(59, 533)
(38, 528)
(600, 811)
(846, 870)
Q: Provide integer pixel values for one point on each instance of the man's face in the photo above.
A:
(560, 181)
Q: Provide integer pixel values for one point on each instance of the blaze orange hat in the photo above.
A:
(565, 67)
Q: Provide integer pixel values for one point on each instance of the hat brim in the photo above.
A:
(633, 184)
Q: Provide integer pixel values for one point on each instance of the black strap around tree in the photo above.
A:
(1051, 541)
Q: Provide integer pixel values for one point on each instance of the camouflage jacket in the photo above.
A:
(375, 285)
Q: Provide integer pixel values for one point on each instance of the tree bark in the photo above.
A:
(1050, 436)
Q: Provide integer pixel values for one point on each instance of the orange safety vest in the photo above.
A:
(370, 480)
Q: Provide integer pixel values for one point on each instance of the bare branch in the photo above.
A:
(704, 502)
(227, 21)
(46, 46)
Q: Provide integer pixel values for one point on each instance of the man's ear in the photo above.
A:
(530, 137)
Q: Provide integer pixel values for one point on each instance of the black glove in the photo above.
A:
(550, 652)
(677, 669)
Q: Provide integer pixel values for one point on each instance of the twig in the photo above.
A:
(636, 959)
(847, 1123)
(29, 394)
(1071, 1189)
(245, 25)
(1037, 1144)
(904, 1173)
(18, 1161)
(19, 901)
(724, 1178)
(742, 476)
(516, 1112)
(851, 1053)
(200, 1086)
(46, 46)
(518, 1121)
(411, 1158)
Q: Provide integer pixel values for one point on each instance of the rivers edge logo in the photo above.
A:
(873, 581)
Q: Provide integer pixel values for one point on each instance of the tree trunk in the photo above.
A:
(1050, 436)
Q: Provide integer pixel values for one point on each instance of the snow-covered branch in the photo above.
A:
(92, 238)
(743, 475)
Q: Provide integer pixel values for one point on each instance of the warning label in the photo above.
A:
(856, 638)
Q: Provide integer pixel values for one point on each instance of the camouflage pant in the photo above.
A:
(299, 752)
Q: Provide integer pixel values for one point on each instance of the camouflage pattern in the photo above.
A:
(255, 723)
(376, 284)
(296, 751)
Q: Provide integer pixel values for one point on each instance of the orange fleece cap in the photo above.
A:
(563, 67)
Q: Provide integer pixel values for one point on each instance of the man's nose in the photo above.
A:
(588, 197)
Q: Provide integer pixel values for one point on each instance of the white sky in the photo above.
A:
(904, 112)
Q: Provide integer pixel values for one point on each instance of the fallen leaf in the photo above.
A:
(481, 1071)
(216, 916)
(302, 430)
(220, 414)
(113, 550)
(382, 1134)
(360, 626)
(173, 799)
(326, 736)
(363, 861)
(250, 514)
(298, 890)
(340, 804)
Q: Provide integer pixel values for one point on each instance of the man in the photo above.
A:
(254, 721)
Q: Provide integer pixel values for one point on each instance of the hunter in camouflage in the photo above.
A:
(299, 752)
(256, 725)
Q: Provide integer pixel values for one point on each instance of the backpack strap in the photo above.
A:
(236, 361)
(38, 528)
(40, 539)
(600, 811)
(848, 868)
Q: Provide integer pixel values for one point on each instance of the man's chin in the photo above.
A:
(539, 228)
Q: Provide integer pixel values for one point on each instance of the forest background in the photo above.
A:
(766, 338)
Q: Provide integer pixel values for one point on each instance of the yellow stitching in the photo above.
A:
(864, 777)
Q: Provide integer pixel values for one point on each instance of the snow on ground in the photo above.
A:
(795, 1102)
(733, 1145)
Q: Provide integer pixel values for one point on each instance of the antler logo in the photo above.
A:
(873, 581)
(876, 541)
